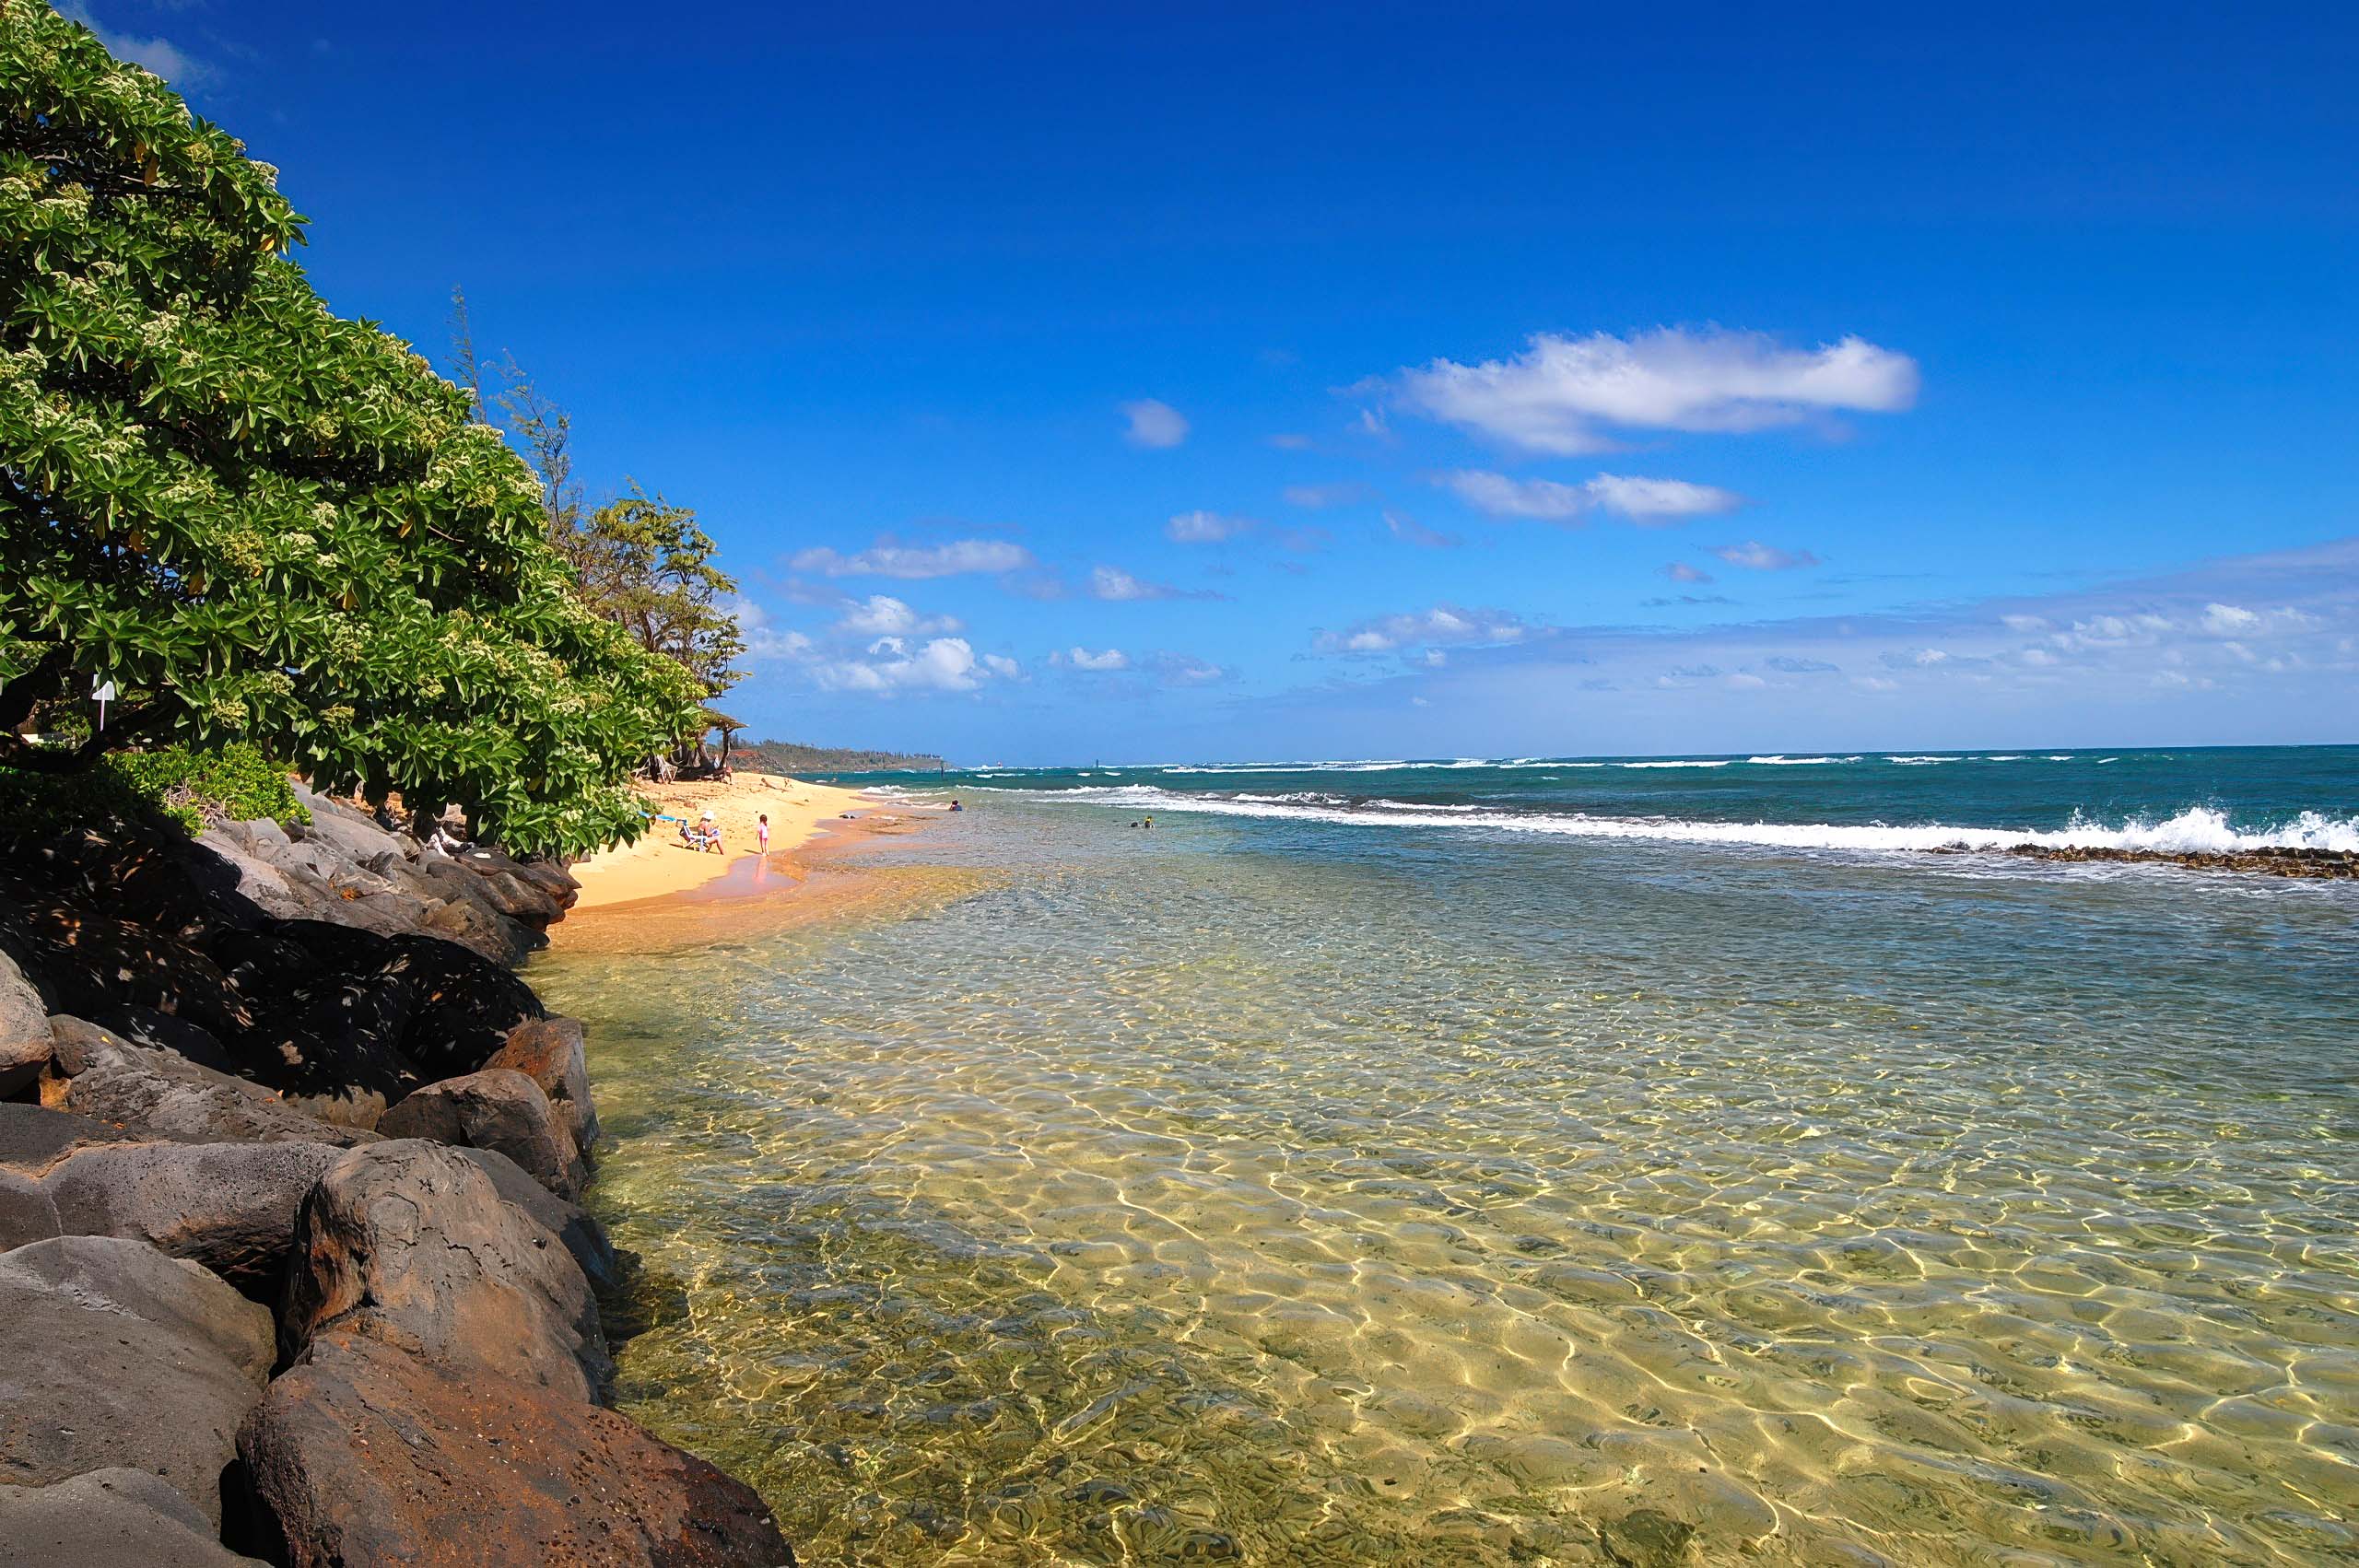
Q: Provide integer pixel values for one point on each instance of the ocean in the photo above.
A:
(1524, 1160)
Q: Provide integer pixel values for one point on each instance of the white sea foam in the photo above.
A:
(1799, 761)
(1722, 762)
(2197, 829)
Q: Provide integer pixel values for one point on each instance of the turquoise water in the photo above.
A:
(1668, 1173)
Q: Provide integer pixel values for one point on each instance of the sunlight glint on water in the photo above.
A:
(1285, 1193)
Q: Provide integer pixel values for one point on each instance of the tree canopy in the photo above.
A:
(261, 521)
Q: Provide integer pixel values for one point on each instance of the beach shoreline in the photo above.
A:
(658, 865)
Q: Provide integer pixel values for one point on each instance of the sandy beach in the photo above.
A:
(660, 864)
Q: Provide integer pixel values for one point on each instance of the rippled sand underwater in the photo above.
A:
(1258, 1193)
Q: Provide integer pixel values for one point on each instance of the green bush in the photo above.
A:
(141, 790)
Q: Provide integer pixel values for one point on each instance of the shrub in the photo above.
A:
(177, 785)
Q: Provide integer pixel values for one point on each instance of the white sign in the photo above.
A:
(103, 691)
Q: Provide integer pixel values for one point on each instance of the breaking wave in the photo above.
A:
(2195, 830)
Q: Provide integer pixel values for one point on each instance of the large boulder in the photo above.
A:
(24, 1030)
(34, 1139)
(335, 1053)
(553, 1054)
(28, 1213)
(462, 1004)
(269, 889)
(363, 1453)
(110, 1518)
(85, 961)
(123, 1357)
(162, 1095)
(465, 1005)
(410, 1242)
(230, 1207)
(500, 1110)
(572, 1224)
(161, 1031)
(484, 930)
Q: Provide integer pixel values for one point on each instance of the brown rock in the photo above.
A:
(551, 1052)
(500, 1110)
(575, 1226)
(143, 1361)
(363, 1453)
(411, 1243)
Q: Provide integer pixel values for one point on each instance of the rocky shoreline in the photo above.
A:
(2301, 864)
(290, 1246)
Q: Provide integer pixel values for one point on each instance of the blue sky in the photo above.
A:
(1222, 382)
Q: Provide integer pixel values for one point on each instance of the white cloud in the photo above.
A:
(1206, 528)
(1114, 584)
(1498, 495)
(1183, 670)
(1289, 441)
(1312, 498)
(892, 665)
(1442, 625)
(1154, 424)
(885, 558)
(1647, 500)
(2024, 623)
(1753, 555)
(1111, 659)
(1741, 681)
(1563, 394)
(764, 640)
(1680, 571)
(161, 55)
(1409, 531)
(1640, 499)
(882, 615)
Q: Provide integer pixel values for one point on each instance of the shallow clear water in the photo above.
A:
(1278, 1190)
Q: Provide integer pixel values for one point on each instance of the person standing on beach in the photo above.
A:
(762, 834)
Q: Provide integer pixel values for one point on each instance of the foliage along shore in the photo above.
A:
(799, 760)
(226, 1064)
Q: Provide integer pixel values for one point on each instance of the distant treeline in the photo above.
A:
(787, 756)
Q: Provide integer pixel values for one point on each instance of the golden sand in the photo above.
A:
(660, 864)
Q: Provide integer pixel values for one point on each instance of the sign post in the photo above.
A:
(105, 691)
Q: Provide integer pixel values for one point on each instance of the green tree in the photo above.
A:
(640, 561)
(261, 521)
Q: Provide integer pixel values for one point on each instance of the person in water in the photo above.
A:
(956, 806)
(762, 832)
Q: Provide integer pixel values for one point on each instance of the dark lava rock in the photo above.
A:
(551, 1053)
(162, 1095)
(410, 1242)
(466, 1006)
(364, 1454)
(498, 1109)
(109, 1519)
(146, 1026)
(229, 1206)
(123, 1357)
(336, 1053)
(85, 962)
